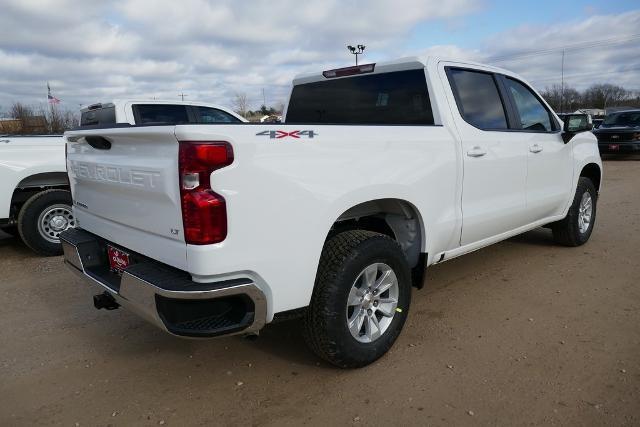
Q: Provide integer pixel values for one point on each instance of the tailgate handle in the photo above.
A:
(98, 142)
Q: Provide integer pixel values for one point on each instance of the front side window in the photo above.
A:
(213, 115)
(533, 115)
(395, 98)
(160, 113)
(478, 99)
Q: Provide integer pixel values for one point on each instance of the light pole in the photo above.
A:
(562, 84)
(356, 50)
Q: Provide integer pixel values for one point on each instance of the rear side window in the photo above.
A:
(213, 115)
(478, 99)
(533, 114)
(159, 113)
(397, 98)
(98, 117)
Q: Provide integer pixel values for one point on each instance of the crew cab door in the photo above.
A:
(549, 159)
(495, 164)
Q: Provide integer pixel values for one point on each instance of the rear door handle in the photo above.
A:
(476, 151)
(535, 148)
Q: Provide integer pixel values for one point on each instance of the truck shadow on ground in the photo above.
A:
(122, 334)
(537, 237)
(15, 245)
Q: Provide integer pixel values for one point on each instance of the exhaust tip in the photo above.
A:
(105, 300)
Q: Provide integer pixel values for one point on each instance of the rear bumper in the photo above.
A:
(623, 147)
(165, 296)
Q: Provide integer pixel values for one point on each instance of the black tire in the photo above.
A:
(29, 217)
(344, 257)
(567, 231)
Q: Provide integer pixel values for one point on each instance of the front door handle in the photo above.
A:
(535, 148)
(476, 151)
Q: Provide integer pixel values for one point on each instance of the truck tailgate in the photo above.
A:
(125, 188)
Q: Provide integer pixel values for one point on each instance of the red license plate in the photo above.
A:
(614, 146)
(118, 259)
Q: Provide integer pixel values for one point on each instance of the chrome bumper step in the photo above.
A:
(165, 296)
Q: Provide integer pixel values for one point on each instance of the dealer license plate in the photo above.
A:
(118, 259)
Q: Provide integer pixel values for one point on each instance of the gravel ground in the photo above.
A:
(522, 332)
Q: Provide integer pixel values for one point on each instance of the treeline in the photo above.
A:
(600, 96)
(45, 119)
(25, 119)
(241, 106)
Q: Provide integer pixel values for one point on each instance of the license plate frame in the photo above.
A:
(118, 259)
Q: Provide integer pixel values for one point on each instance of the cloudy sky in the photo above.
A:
(97, 51)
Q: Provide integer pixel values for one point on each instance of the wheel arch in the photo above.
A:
(45, 179)
(33, 184)
(593, 172)
(394, 217)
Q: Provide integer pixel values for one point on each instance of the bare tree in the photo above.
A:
(43, 119)
(58, 120)
(241, 104)
(20, 111)
(595, 96)
(553, 95)
(605, 95)
(561, 100)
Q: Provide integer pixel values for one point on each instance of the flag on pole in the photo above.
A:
(52, 99)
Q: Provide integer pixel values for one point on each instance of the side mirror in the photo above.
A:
(575, 123)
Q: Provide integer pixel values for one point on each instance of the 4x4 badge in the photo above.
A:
(278, 134)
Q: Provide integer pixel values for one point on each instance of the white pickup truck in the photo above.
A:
(35, 202)
(378, 171)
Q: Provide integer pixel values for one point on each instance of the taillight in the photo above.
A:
(204, 212)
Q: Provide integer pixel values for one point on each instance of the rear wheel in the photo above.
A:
(360, 300)
(42, 218)
(576, 228)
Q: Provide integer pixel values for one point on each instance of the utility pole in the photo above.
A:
(356, 50)
(562, 84)
(182, 95)
(264, 98)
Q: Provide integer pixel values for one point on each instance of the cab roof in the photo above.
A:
(400, 64)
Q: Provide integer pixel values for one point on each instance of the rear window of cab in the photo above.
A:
(394, 98)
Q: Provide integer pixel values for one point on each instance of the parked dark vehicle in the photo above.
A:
(619, 133)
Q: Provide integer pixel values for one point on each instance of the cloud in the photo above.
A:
(156, 48)
(97, 51)
(599, 49)
(602, 48)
